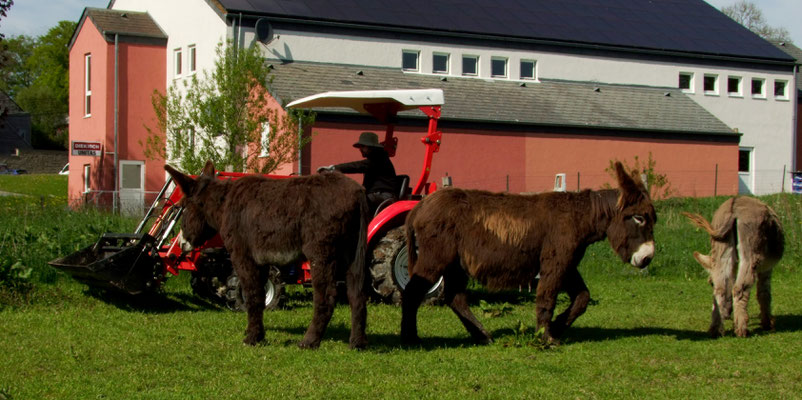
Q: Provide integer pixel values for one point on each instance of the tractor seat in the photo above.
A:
(402, 193)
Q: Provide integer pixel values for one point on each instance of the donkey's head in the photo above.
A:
(630, 232)
(197, 203)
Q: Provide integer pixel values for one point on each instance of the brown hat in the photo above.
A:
(368, 139)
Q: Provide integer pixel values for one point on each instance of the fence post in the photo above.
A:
(578, 187)
(508, 183)
(715, 183)
(782, 188)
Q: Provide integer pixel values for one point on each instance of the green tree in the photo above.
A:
(656, 183)
(749, 15)
(4, 6)
(222, 117)
(15, 74)
(38, 79)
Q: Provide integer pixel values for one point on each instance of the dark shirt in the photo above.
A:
(378, 169)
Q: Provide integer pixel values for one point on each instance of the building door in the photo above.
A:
(132, 187)
(746, 175)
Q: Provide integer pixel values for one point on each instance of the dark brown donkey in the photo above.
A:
(503, 240)
(321, 218)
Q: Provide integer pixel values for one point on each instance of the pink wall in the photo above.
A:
(141, 71)
(528, 162)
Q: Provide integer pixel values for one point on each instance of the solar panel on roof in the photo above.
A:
(677, 25)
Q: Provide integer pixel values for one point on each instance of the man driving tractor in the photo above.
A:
(379, 173)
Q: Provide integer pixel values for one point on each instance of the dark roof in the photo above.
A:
(686, 26)
(548, 103)
(8, 106)
(129, 23)
(124, 23)
(795, 52)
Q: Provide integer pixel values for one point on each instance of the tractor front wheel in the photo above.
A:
(389, 272)
(274, 291)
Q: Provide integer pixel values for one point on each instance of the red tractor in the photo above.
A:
(139, 262)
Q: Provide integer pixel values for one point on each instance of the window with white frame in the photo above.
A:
(686, 82)
(758, 88)
(780, 89)
(470, 65)
(710, 84)
(87, 85)
(87, 180)
(409, 60)
(265, 140)
(528, 69)
(734, 86)
(178, 61)
(191, 63)
(498, 67)
(440, 63)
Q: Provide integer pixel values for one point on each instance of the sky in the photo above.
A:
(35, 17)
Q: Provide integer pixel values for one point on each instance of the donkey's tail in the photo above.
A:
(412, 246)
(362, 244)
(720, 234)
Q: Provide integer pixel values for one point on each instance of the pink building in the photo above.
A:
(117, 60)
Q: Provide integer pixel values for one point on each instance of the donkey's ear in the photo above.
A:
(630, 189)
(208, 169)
(185, 182)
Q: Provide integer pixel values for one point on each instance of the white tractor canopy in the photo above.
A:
(358, 99)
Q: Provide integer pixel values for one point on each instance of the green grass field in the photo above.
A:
(643, 336)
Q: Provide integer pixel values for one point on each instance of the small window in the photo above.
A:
(87, 178)
(711, 84)
(470, 65)
(528, 69)
(498, 67)
(686, 82)
(734, 86)
(87, 85)
(177, 61)
(757, 88)
(409, 60)
(440, 63)
(781, 90)
(744, 156)
(265, 140)
(191, 59)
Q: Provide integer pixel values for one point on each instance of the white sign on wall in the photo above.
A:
(86, 148)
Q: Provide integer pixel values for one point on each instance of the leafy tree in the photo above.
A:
(4, 6)
(15, 73)
(749, 15)
(36, 76)
(221, 117)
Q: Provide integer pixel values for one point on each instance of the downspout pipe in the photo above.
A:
(116, 168)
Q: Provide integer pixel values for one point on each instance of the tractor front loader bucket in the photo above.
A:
(121, 261)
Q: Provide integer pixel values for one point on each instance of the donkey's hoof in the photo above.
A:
(358, 344)
(411, 340)
(483, 340)
(308, 344)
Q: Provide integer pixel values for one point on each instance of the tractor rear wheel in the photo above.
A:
(389, 273)
(274, 291)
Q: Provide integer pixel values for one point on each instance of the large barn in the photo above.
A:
(532, 88)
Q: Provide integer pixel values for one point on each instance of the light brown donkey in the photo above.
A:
(746, 240)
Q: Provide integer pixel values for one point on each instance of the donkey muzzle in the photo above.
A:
(644, 255)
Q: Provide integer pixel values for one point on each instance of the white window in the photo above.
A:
(409, 60)
(87, 181)
(87, 85)
(440, 63)
(498, 67)
(734, 86)
(758, 90)
(686, 82)
(177, 61)
(191, 59)
(780, 89)
(265, 140)
(470, 65)
(528, 69)
(710, 84)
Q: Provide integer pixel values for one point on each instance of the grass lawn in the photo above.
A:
(48, 185)
(643, 336)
